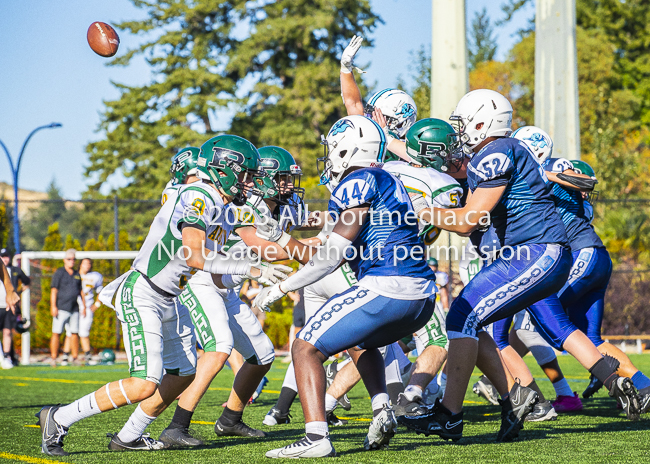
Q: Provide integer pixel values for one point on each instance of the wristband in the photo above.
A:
(284, 239)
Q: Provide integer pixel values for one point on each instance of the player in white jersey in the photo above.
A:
(223, 321)
(185, 236)
(92, 283)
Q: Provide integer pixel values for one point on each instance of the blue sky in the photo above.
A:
(49, 74)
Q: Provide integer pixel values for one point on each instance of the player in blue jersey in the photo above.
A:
(395, 295)
(583, 295)
(508, 187)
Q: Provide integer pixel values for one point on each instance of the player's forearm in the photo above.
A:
(399, 148)
(351, 94)
(53, 293)
(6, 279)
(584, 183)
(459, 220)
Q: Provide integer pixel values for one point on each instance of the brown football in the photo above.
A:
(103, 39)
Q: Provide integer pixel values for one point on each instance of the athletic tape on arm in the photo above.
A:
(217, 263)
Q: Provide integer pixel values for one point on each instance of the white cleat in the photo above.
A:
(304, 448)
(382, 429)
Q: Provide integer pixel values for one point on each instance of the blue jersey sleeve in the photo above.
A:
(355, 190)
(557, 165)
(491, 167)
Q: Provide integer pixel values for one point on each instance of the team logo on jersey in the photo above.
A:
(221, 156)
(406, 111)
(341, 126)
(537, 140)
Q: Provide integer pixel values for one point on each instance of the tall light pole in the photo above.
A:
(15, 170)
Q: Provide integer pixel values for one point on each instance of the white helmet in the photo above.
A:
(399, 109)
(352, 141)
(481, 114)
(537, 141)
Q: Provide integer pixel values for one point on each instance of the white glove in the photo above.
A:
(267, 296)
(419, 203)
(348, 54)
(271, 274)
(271, 231)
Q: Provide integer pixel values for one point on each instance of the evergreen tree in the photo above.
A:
(481, 42)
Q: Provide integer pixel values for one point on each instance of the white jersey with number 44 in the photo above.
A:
(195, 205)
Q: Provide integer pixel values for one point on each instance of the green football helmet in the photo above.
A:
(433, 143)
(223, 159)
(107, 356)
(583, 168)
(184, 164)
(275, 163)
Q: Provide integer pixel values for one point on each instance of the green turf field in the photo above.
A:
(600, 434)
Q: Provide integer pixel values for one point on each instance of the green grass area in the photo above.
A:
(599, 434)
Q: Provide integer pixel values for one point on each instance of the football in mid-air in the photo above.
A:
(103, 39)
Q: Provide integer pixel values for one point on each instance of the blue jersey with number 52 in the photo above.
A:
(388, 243)
(526, 212)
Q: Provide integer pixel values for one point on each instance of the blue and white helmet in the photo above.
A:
(353, 141)
(399, 109)
(537, 141)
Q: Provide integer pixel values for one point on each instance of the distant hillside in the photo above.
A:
(7, 193)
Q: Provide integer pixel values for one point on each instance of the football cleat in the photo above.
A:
(438, 421)
(334, 421)
(404, 407)
(143, 443)
(52, 432)
(330, 373)
(304, 448)
(592, 388)
(543, 411)
(238, 430)
(523, 400)
(564, 403)
(644, 400)
(623, 390)
(174, 437)
(275, 417)
(382, 429)
(344, 402)
(510, 424)
(485, 389)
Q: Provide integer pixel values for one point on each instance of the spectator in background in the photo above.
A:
(9, 300)
(91, 283)
(442, 279)
(64, 305)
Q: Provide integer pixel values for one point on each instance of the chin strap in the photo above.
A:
(582, 183)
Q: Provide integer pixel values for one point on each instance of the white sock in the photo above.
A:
(379, 400)
(412, 391)
(316, 428)
(330, 402)
(77, 410)
(562, 388)
(344, 363)
(135, 426)
(290, 378)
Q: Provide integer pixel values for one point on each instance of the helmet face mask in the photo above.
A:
(353, 141)
(398, 108)
(231, 164)
(184, 165)
(281, 176)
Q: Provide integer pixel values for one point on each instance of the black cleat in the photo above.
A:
(438, 421)
(404, 407)
(334, 421)
(510, 424)
(592, 388)
(144, 443)
(344, 402)
(543, 411)
(623, 390)
(644, 400)
(52, 432)
(275, 417)
(238, 430)
(523, 400)
(174, 437)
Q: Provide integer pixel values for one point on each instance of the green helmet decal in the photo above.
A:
(276, 162)
(583, 168)
(432, 143)
(184, 164)
(221, 161)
